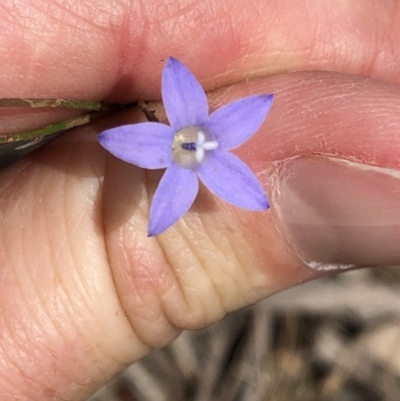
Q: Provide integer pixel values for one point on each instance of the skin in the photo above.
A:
(83, 291)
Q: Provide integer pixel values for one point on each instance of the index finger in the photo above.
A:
(90, 49)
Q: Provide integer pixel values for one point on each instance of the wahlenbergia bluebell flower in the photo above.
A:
(195, 145)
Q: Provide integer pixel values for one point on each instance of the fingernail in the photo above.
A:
(337, 214)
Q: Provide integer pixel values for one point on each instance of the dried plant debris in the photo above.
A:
(336, 339)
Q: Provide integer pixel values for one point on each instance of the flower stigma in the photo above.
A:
(190, 146)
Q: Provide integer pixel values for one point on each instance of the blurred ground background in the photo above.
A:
(334, 339)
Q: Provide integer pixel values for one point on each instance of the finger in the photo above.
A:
(84, 291)
(91, 50)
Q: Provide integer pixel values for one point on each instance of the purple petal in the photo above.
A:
(235, 123)
(147, 145)
(184, 99)
(174, 196)
(227, 176)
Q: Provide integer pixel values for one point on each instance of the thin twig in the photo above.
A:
(54, 128)
(150, 114)
(53, 103)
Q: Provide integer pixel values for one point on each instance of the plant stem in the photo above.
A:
(53, 103)
(149, 114)
(54, 128)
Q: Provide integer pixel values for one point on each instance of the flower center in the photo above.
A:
(190, 146)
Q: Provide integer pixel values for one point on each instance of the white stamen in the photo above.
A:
(199, 153)
(201, 138)
(210, 145)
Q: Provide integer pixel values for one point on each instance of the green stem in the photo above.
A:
(69, 104)
(53, 128)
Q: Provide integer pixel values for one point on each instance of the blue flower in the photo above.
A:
(195, 145)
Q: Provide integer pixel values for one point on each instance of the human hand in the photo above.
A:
(83, 291)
